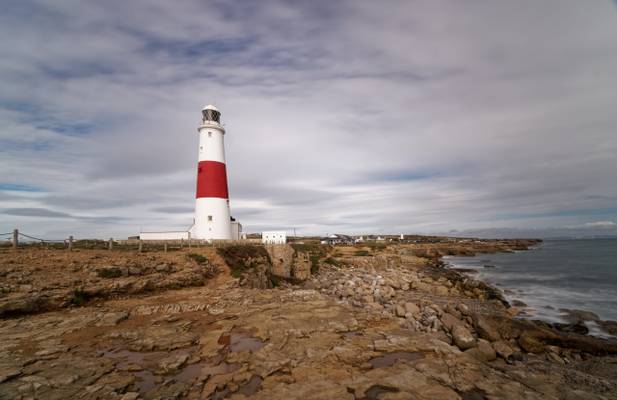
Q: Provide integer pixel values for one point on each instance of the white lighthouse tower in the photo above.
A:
(212, 215)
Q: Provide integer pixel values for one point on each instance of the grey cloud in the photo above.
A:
(174, 210)
(35, 212)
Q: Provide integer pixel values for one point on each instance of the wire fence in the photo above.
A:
(17, 240)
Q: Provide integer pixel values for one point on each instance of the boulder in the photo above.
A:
(503, 349)
(486, 351)
(400, 311)
(530, 343)
(464, 309)
(412, 308)
(485, 328)
(440, 290)
(162, 268)
(449, 321)
(462, 337)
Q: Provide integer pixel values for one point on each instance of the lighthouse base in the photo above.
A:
(212, 219)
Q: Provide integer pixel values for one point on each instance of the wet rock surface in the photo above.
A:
(386, 326)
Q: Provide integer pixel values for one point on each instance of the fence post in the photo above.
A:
(182, 243)
(189, 240)
(140, 245)
(165, 247)
(15, 238)
(111, 243)
(71, 243)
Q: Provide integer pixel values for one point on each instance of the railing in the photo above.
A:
(123, 244)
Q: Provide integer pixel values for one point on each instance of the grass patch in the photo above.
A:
(109, 272)
(198, 258)
(332, 261)
(241, 258)
(315, 251)
(314, 263)
(362, 253)
(80, 298)
(375, 245)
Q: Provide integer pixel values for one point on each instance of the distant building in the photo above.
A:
(274, 237)
(336, 238)
(236, 230)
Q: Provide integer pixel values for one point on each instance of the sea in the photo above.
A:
(578, 274)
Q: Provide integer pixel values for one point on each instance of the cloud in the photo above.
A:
(35, 212)
(601, 224)
(341, 117)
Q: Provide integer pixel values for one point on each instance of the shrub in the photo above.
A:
(109, 272)
(375, 245)
(332, 261)
(315, 251)
(241, 258)
(198, 258)
(80, 297)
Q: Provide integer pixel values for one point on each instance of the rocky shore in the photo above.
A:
(309, 321)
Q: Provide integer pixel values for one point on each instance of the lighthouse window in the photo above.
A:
(209, 134)
(209, 217)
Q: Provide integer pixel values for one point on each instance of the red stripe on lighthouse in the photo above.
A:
(212, 180)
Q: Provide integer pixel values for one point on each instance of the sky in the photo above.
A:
(495, 118)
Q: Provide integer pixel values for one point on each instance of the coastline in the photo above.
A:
(372, 321)
(551, 311)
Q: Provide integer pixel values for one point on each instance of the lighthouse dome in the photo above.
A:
(210, 107)
(211, 113)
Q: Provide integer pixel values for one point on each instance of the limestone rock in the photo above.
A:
(484, 351)
(503, 349)
(530, 343)
(463, 309)
(485, 329)
(412, 308)
(173, 363)
(450, 321)
(462, 337)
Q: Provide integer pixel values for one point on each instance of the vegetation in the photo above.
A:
(241, 257)
(315, 251)
(362, 253)
(375, 245)
(109, 272)
(198, 258)
(332, 261)
(80, 298)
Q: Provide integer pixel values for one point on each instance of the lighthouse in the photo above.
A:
(212, 216)
(213, 220)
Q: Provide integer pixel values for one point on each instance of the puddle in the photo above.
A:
(387, 360)
(189, 373)
(149, 361)
(251, 387)
(145, 381)
(375, 391)
(351, 334)
(240, 341)
(473, 394)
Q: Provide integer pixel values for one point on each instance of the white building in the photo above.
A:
(274, 237)
(165, 235)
